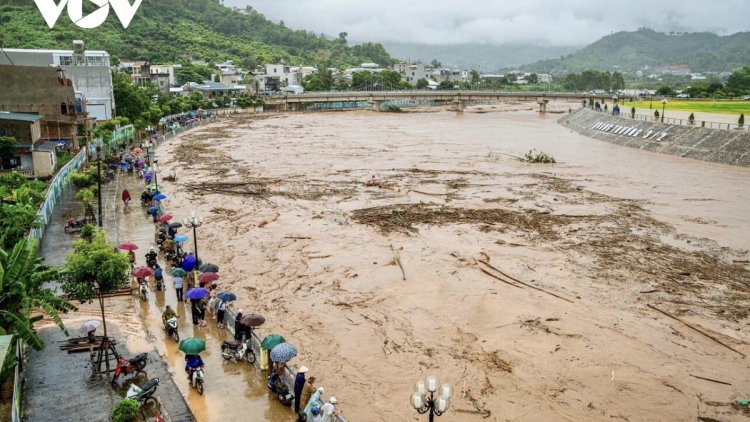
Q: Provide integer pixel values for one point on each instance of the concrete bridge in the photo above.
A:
(459, 99)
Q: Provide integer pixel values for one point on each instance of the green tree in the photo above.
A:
(435, 64)
(741, 120)
(475, 77)
(22, 275)
(691, 119)
(618, 82)
(422, 83)
(8, 148)
(533, 78)
(632, 113)
(665, 90)
(342, 37)
(94, 269)
(656, 114)
(739, 80)
(446, 85)
(18, 214)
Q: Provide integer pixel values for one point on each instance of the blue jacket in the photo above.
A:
(194, 361)
(158, 272)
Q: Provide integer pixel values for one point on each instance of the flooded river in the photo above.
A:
(388, 247)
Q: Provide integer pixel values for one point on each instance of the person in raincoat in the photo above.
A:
(125, 196)
(307, 391)
(314, 401)
(328, 411)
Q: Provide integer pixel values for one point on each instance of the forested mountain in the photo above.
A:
(631, 51)
(488, 58)
(168, 30)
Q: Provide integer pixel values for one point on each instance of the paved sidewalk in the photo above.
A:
(60, 386)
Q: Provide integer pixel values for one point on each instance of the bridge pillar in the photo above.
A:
(376, 104)
(542, 105)
(459, 105)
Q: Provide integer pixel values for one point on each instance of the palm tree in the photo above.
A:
(21, 293)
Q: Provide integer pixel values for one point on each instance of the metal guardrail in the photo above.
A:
(20, 375)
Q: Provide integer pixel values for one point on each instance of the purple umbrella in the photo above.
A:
(189, 263)
(140, 163)
(196, 293)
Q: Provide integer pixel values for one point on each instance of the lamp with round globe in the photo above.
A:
(193, 222)
(423, 399)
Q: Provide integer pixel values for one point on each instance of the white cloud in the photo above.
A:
(545, 22)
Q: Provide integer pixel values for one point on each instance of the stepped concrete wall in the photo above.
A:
(719, 146)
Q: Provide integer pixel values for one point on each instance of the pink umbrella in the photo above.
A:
(208, 277)
(164, 218)
(142, 272)
(127, 246)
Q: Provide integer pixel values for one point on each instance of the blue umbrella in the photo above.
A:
(180, 238)
(227, 297)
(160, 197)
(152, 210)
(189, 263)
(196, 293)
(284, 352)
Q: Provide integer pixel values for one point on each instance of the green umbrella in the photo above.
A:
(271, 341)
(178, 272)
(192, 346)
(152, 186)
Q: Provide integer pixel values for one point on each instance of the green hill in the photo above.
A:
(631, 51)
(169, 30)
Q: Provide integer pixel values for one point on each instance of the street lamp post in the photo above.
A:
(155, 170)
(435, 406)
(663, 106)
(99, 180)
(193, 222)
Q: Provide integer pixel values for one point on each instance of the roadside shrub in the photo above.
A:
(632, 113)
(656, 114)
(82, 180)
(691, 119)
(125, 410)
(719, 95)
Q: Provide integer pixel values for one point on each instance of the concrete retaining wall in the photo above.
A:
(714, 145)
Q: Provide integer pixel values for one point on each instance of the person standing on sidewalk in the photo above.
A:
(125, 196)
(178, 288)
(222, 309)
(299, 385)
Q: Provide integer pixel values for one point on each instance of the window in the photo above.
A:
(15, 162)
(3, 132)
(64, 109)
(66, 60)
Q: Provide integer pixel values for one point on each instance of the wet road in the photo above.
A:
(233, 389)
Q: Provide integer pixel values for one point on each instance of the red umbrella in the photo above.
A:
(127, 246)
(208, 277)
(164, 218)
(143, 272)
(138, 150)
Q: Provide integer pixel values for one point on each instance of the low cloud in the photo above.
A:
(541, 22)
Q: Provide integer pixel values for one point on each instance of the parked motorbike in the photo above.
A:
(75, 225)
(196, 379)
(171, 328)
(143, 393)
(236, 351)
(125, 366)
(280, 390)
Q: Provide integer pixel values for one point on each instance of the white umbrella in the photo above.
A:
(89, 326)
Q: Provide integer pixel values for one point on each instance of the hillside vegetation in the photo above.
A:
(631, 51)
(167, 30)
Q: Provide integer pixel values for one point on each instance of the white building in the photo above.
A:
(170, 69)
(544, 77)
(288, 75)
(89, 70)
(412, 73)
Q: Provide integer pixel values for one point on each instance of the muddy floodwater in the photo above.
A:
(391, 246)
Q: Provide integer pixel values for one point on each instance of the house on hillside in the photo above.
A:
(413, 72)
(34, 158)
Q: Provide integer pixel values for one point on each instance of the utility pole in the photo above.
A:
(99, 180)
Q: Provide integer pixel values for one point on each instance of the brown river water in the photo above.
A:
(377, 242)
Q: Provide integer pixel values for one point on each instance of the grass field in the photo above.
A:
(700, 106)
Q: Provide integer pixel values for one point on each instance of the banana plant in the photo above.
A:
(23, 299)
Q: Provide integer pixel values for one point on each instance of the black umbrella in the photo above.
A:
(175, 225)
(209, 268)
(128, 159)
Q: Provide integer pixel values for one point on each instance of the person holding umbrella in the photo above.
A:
(89, 328)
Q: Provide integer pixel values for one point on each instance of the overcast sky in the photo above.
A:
(546, 22)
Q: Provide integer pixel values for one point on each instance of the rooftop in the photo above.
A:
(49, 146)
(25, 117)
(86, 53)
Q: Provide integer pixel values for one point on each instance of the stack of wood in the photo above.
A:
(81, 344)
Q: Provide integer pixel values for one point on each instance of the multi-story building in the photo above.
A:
(412, 73)
(88, 70)
(50, 93)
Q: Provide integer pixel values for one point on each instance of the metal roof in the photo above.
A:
(25, 117)
(86, 53)
(48, 146)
